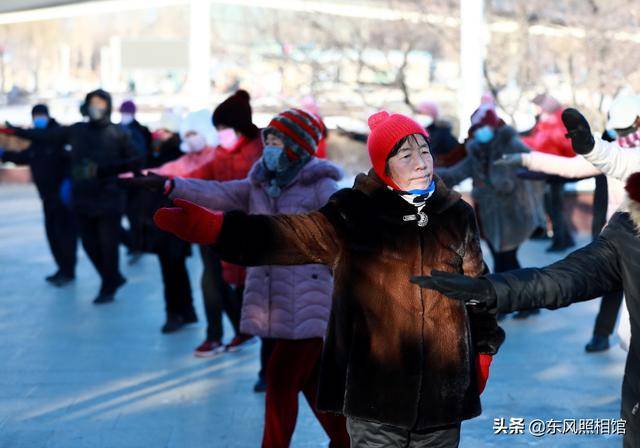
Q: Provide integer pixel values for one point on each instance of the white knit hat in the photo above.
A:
(200, 122)
(623, 112)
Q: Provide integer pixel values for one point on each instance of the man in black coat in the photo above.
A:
(610, 263)
(99, 151)
(49, 163)
(140, 137)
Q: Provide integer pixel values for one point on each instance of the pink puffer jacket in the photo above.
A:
(287, 302)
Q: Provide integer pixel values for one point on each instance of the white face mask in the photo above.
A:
(126, 118)
(193, 143)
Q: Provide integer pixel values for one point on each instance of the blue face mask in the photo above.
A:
(483, 134)
(40, 122)
(427, 191)
(273, 158)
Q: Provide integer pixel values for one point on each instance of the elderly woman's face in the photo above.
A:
(412, 167)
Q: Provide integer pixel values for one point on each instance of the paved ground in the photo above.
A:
(76, 375)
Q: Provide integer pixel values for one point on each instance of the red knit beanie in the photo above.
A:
(386, 131)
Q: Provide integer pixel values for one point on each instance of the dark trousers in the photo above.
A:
(134, 211)
(607, 314)
(294, 367)
(554, 202)
(100, 239)
(366, 434)
(62, 235)
(218, 296)
(178, 298)
(630, 414)
(266, 348)
(600, 205)
(505, 261)
(610, 303)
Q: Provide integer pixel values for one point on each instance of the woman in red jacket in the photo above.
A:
(240, 146)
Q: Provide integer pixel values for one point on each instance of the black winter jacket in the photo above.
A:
(105, 144)
(610, 263)
(49, 163)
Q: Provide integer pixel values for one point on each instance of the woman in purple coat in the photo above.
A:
(286, 304)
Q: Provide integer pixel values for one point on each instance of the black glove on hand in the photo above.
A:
(471, 290)
(579, 131)
(151, 182)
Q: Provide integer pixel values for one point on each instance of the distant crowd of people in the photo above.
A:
(321, 275)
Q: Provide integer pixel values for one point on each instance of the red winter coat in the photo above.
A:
(231, 164)
(548, 136)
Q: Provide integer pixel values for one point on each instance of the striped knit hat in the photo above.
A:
(300, 130)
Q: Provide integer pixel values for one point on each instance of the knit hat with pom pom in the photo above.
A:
(235, 112)
(386, 131)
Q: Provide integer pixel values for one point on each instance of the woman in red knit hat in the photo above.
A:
(404, 365)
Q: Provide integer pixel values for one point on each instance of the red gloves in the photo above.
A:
(190, 222)
(483, 361)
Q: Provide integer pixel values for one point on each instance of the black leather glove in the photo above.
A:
(471, 290)
(151, 182)
(579, 131)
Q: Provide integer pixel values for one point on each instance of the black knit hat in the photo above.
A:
(235, 112)
(40, 109)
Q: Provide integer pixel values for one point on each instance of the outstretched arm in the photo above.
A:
(457, 173)
(585, 274)
(569, 167)
(56, 135)
(212, 194)
(253, 240)
(614, 160)
(18, 157)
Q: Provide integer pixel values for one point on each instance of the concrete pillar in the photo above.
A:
(473, 44)
(198, 82)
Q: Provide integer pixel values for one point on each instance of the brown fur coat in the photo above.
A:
(394, 353)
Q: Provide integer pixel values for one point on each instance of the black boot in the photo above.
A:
(561, 246)
(53, 277)
(103, 298)
(60, 279)
(190, 317)
(597, 344)
(174, 323)
(525, 314)
(260, 386)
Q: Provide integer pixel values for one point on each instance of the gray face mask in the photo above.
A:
(96, 113)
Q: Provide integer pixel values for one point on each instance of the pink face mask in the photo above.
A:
(228, 139)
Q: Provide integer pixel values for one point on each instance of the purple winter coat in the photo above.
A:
(287, 302)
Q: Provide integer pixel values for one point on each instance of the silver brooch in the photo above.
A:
(421, 217)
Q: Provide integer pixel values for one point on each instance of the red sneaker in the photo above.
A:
(239, 341)
(209, 349)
